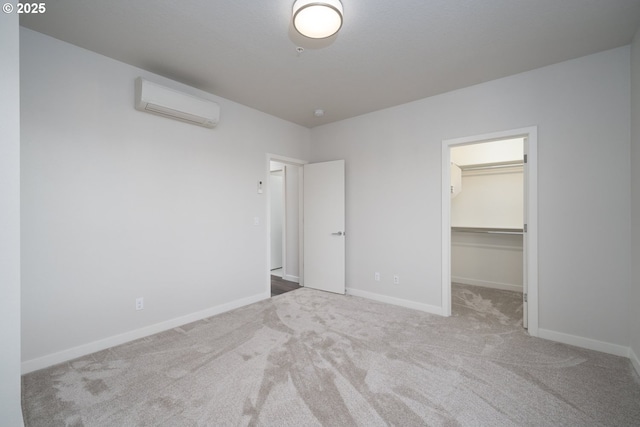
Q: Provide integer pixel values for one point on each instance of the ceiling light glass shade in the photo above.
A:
(317, 19)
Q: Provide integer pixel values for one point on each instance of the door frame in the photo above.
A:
(290, 162)
(531, 202)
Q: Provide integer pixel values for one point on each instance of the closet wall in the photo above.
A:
(487, 215)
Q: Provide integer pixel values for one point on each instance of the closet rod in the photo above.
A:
(496, 165)
(488, 230)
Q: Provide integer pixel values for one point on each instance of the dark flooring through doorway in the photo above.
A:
(280, 286)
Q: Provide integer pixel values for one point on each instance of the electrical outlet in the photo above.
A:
(396, 279)
(376, 276)
(139, 303)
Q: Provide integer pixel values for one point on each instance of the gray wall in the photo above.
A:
(119, 204)
(276, 187)
(10, 409)
(393, 175)
(292, 190)
(634, 300)
(277, 217)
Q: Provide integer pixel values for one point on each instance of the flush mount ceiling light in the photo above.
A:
(317, 19)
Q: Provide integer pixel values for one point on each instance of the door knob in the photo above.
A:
(339, 233)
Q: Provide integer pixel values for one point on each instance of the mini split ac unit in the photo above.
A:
(156, 99)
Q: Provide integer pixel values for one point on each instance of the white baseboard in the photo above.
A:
(588, 343)
(396, 301)
(291, 278)
(634, 360)
(487, 284)
(92, 347)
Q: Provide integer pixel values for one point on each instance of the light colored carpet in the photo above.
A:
(313, 358)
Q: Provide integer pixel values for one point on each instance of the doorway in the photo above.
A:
(487, 205)
(285, 214)
(316, 246)
(277, 234)
(504, 230)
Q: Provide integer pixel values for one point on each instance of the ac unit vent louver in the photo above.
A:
(160, 100)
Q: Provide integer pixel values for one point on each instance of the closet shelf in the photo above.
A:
(488, 230)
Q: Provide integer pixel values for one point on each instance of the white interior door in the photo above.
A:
(324, 231)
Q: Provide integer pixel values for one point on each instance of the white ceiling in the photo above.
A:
(387, 53)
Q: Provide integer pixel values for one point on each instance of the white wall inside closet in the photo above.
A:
(491, 199)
